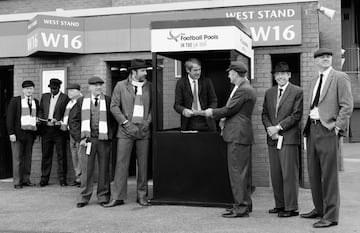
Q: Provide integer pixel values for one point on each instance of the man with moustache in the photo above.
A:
(52, 109)
(331, 106)
(281, 115)
(236, 126)
(131, 107)
(21, 125)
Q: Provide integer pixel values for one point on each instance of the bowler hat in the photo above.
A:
(27, 83)
(54, 82)
(322, 51)
(73, 86)
(238, 66)
(95, 80)
(138, 64)
(281, 67)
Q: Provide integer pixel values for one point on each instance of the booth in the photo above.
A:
(190, 168)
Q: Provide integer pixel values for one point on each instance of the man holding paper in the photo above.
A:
(92, 125)
(281, 115)
(193, 94)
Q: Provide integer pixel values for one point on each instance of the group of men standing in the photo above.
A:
(90, 121)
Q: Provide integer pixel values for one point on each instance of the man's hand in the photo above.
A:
(271, 130)
(222, 123)
(337, 130)
(187, 112)
(12, 138)
(209, 112)
(83, 142)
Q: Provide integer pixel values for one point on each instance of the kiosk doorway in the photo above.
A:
(6, 92)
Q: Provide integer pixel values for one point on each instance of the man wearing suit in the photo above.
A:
(331, 105)
(194, 93)
(51, 113)
(281, 115)
(21, 126)
(131, 107)
(238, 134)
(74, 94)
(91, 125)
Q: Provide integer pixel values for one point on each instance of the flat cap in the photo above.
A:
(238, 66)
(27, 83)
(73, 86)
(322, 51)
(138, 64)
(54, 82)
(281, 67)
(95, 80)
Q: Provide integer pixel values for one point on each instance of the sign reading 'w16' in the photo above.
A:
(55, 34)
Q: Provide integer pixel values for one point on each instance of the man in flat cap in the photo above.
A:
(194, 93)
(281, 115)
(331, 106)
(73, 94)
(235, 122)
(21, 125)
(131, 107)
(92, 125)
(51, 113)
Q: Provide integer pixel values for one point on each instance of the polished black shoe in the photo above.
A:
(29, 184)
(81, 204)
(63, 183)
(75, 183)
(113, 203)
(276, 210)
(143, 202)
(43, 183)
(18, 186)
(232, 214)
(311, 214)
(231, 209)
(103, 203)
(286, 214)
(324, 223)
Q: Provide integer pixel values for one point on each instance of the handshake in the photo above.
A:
(189, 113)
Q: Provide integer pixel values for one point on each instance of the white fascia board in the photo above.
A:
(176, 6)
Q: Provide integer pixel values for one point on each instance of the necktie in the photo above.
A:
(30, 105)
(96, 101)
(280, 92)
(278, 101)
(317, 96)
(195, 97)
(135, 89)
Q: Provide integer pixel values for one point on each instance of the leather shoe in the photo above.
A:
(286, 214)
(81, 204)
(324, 223)
(63, 183)
(103, 203)
(232, 214)
(231, 209)
(311, 214)
(75, 183)
(276, 210)
(113, 203)
(143, 202)
(43, 183)
(18, 186)
(29, 184)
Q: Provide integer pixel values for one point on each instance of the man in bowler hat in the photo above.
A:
(237, 132)
(131, 107)
(281, 115)
(330, 108)
(21, 125)
(51, 113)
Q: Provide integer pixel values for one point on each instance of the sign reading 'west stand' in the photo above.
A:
(54, 34)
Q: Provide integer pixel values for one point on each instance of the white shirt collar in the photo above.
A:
(326, 72)
(284, 87)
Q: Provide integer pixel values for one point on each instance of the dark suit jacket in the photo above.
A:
(238, 126)
(335, 103)
(59, 107)
(290, 111)
(13, 116)
(75, 119)
(184, 98)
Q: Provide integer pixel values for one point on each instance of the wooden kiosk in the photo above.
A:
(191, 168)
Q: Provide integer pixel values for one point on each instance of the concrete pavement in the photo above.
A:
(53, 209)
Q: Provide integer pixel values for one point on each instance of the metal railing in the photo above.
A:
(352, 60)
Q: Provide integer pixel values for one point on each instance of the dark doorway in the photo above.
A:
(6, 93)
(293, 60)
(119, 71)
